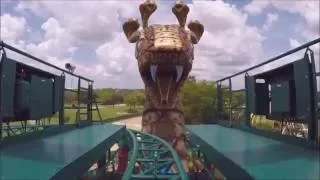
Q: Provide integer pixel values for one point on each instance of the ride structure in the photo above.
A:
(59, 150)
(165, 54)
(223, 148)
(283, 95)
(31, 94)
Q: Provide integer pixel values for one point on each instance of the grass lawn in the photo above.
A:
(263, 123)
(107, 112)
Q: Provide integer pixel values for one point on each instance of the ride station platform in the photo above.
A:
(244, 155)
(57, 152)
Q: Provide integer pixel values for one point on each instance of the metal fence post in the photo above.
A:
(78, 103)
(247, 116)
(219, 100)
(89, 102)
(230, 101)
(61, 111)
(313, 124)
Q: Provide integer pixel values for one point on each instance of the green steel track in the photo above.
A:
(152, 154)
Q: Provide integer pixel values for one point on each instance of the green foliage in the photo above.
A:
(134, 98)
(140, 97)
(198, 100)
(104, 96)
(108, 96)
(70, 97)
(130, 99)
(238, 99)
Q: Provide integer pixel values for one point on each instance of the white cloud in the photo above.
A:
(271, 18)
(117, 54)
(57, 40)
(12, 27)
(54, 44)
(309, 29)
(228, 42)
(96, 24)
(309, 10)
(256, 7)
(88, 21)
(294, 43)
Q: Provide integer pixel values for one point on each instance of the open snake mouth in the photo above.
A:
(165, 80)
(173, 72)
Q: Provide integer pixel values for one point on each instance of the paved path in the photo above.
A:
(131, 123)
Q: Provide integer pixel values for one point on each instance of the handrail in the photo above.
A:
(3, 44)
(274, 59)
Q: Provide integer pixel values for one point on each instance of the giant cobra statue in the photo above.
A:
(165, 56)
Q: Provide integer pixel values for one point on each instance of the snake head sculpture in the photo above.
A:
(164, 52)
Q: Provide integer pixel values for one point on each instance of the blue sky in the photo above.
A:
(97, 46)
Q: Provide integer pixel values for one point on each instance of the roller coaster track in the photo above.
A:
(154, 158)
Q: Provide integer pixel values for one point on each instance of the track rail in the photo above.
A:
(154, 156)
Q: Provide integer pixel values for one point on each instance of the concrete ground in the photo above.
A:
(131, 123)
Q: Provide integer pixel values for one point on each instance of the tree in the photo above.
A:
(130, 99)
(140, 97)
(70, 97)
(115, 98)
(191, 78)
(106, 96)
(198, 100)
